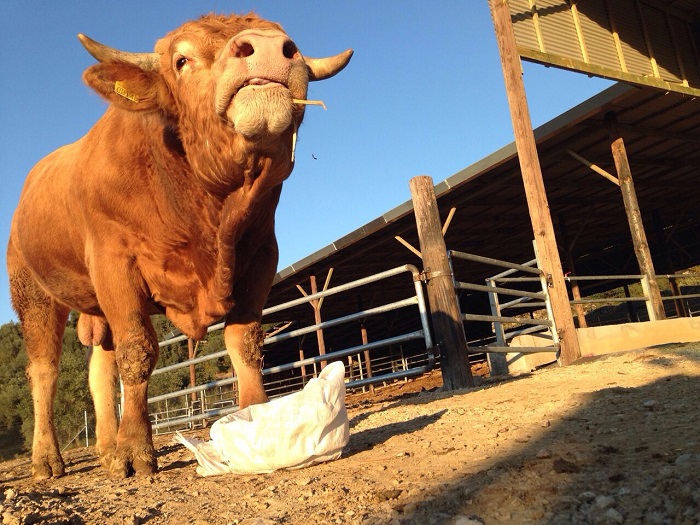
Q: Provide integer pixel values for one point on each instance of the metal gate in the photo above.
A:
(198, 411)
(505, 297)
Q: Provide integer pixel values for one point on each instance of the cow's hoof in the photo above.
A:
(46, 467)
(122, 464)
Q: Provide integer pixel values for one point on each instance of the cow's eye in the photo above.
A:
(180, 63)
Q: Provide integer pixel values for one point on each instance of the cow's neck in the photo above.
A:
(249, 208)
(221, 215)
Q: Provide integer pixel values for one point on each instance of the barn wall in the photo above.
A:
(599, 340)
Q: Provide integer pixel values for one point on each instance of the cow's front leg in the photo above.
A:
(243, 334)
(118, 286)
(243, 341)
(136, 355)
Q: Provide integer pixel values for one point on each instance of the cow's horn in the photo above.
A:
(103, 53)
(323, 68)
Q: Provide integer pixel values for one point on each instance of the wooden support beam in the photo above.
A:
(446, 226)
(408, 245)
(634, 216)
(368, 361)
(575, 288)
(444, 309)
(542, 226)
(316, 304)
(600, 171)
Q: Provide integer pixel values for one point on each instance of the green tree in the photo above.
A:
(73, 397)
(15, 398)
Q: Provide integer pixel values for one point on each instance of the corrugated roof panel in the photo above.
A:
(662, 45)
(523, 24)
(598, 39)
(641, 41)
(558, 28)
(625, 18)
(682, 34)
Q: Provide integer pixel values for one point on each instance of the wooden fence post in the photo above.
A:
(368, 361)
(444, 309)
(193, 375)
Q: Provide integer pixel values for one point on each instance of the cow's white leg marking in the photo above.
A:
(103, 381)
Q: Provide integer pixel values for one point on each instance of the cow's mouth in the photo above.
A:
(262, 82)
(260, 106)
(256, 83)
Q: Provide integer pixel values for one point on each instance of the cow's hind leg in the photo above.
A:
(103, 384)
(94, 332)
(43, 323)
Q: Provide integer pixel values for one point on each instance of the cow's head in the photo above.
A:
(224, 85)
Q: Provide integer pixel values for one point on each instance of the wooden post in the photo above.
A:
(444, 309)
(193, 376)
(303, 367)
(634, 217)
(543, 229)
(669, 267)
(316, 304)
(632, 314)
(368, 362)
(498, 362)
(575, 288)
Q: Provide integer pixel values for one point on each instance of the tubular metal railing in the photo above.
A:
(417, 299)
(523, 299)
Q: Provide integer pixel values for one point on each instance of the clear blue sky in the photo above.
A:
(423, 95)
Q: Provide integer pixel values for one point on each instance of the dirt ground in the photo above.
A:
(610, 440)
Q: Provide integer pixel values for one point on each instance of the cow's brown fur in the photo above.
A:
(165, 205)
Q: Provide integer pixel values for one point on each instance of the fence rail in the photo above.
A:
(194, 413)
(523, 299)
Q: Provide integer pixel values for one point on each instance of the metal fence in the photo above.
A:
(524, 287)
(217, 398)
(679, 299)
(507, 292)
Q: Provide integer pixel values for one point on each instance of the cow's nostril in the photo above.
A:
(289, 49)
(242, 49)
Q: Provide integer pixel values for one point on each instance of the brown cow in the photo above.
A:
(167, 204)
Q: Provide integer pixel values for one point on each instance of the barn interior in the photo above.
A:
(661, 132)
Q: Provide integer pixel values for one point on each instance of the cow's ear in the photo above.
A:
(129, 87)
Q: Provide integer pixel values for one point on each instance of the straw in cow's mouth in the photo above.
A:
(309, 102)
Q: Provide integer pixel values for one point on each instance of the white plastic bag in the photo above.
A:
(294, 431)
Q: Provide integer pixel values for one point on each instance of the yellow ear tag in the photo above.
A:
(120, 89)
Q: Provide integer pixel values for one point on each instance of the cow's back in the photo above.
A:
(49, 230)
